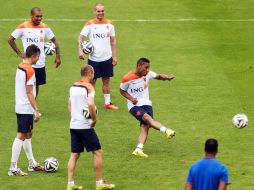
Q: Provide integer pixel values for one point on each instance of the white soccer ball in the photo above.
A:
(87, 47)
(49, 48)
(87, 113)
(240, 120)
(51, 164)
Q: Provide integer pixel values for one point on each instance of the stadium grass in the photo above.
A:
(212, 62)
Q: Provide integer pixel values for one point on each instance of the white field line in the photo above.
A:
(134, 20)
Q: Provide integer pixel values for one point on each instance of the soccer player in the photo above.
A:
(101, 33)
(208, 173)
(27, 111)
(34, 32)
(82, 129)
(134, 87)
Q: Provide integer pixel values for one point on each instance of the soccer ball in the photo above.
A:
(86, 112)
(51, 164)
(240, 120)
(87, 47)
(49, 48)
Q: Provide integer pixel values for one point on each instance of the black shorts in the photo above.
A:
(25, 122)
(139, 111)
(40, 75)
(102, 69)
(84, 138)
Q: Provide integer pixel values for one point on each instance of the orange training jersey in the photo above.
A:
(99, 33)
(79, 92)
(31, 34)
(24, 76)
(137, 86)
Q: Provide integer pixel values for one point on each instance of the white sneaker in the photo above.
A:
(35, 167)
(16, 172)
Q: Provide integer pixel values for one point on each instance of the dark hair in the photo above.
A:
(32, 50)
(85, 69)
(211, 146)
(142, 61)
(34, 9)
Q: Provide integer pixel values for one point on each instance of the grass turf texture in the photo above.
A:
(212, 62)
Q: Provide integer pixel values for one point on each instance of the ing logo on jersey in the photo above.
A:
(33, 40)
(101, 35)
(137, 90)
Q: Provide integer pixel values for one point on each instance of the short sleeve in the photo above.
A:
(86, 30)
(16, 33)
(189, 178)
(224, 175)
(91, 94)
(30, 79)
(124, 86)
(49, 34)
(112, 31)
(151, 74)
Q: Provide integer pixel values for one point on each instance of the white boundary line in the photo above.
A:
(134, 20)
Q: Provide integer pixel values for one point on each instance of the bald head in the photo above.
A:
(98, 5)
(34, 10)
(86, 70)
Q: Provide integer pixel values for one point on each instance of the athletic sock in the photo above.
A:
(16, 149)
(99, 182)
(107, 98)
(27, 146)
(70, 183)
(163, 129)
(140, 146)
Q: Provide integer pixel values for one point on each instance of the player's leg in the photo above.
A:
(106, 70)
(144, 129)
(77, 147)
(156, 125)
(92, 144)
(27, 146)
(71, 169)
(138, 112)
(97, 164)
(16, 149)
(22, 129)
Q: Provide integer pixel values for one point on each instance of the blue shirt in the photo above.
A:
(206, 174)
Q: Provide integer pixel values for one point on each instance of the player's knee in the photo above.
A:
(146, 118)
(98, 153)
(75, 156)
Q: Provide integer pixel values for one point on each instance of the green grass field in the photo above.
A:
(212, 57)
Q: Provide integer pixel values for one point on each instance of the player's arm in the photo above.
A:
(30, 95)
(128, 96)
(114, 50)
(92, 111)
(58, 57)
(164, 76)
(188, 186)
(80, 41)
(11, 41)
(222, 185)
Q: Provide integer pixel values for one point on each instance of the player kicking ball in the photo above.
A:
(134, 87)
